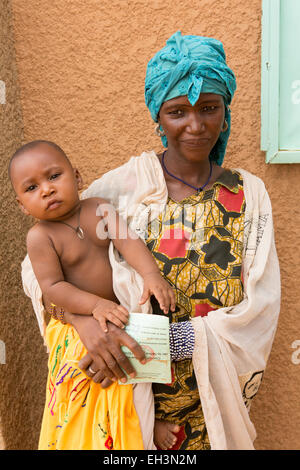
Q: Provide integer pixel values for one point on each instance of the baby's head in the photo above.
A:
(45, 183)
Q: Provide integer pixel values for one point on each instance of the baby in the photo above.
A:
(69, 259)
(68, 245)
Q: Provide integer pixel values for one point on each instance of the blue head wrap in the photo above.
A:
(190, 65)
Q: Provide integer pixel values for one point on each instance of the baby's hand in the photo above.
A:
(155, 284)
(106, 310)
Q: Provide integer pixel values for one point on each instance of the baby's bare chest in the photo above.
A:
(78, 249)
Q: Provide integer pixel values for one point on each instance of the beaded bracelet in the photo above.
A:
(60, 315)
(182, 340)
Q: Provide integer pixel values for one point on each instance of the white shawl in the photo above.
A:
(232, 344)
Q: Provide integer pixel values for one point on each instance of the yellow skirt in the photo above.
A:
(78, 413)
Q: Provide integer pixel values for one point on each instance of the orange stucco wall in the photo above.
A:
(81, 67)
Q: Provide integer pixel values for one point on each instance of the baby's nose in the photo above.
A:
(47, 189)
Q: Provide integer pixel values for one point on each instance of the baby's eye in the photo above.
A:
(53, 177)
(31, 187)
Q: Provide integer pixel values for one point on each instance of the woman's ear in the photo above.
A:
(225, 126)
(78, 179)
(23, 209)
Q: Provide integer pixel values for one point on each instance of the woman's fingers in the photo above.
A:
(125, 340)
(108, 366)
(90, 368)
(118, 362)
(85, 362)
(105, 348)
(105, 383)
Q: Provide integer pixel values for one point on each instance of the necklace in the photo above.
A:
(182, 181)
(78, 230)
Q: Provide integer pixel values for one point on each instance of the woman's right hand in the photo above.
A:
(105, 349)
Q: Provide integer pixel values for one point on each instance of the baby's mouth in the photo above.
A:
(53, 204)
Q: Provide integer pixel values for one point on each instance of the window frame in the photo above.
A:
(270, 83)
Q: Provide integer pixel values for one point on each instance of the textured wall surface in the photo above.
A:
(81, 67)
(21, 389)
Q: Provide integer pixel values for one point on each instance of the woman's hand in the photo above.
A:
(104, 349)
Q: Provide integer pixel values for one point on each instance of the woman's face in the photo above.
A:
(192, 131)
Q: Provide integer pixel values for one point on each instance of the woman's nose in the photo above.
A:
(196, 124)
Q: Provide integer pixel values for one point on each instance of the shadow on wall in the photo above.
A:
(22, 353)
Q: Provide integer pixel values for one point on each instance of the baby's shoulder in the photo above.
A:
(37, 233)
(93, 202)
(95, 205)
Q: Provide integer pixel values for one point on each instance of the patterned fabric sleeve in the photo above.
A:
(182, 340)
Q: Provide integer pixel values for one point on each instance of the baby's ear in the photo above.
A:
(23, 209)
(78, 179)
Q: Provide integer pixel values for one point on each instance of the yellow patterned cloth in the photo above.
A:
(198, 245)
(79, 414)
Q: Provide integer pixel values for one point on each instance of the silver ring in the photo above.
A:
(92, 371)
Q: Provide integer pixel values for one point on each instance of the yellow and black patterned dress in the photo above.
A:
(198, 245)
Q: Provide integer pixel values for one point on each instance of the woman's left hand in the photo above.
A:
(88, 366)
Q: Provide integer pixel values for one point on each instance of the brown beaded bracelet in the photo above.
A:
(60, 316)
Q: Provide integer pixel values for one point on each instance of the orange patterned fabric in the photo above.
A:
(198, 245)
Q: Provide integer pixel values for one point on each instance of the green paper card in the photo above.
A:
(152, 333)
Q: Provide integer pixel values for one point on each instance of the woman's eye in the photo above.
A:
(209, 108)
(177, 112)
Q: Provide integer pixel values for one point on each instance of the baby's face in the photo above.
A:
(45, 183)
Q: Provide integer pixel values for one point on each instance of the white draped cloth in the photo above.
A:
(232, 344)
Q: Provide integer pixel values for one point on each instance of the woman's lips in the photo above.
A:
(196, 142)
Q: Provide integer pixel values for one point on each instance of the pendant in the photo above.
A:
(80, 232)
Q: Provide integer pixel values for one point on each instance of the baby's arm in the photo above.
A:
(138, 256)
(48, 271)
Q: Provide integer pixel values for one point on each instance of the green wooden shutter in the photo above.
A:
(280, 90)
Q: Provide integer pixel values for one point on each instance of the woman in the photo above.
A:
(210, 230)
